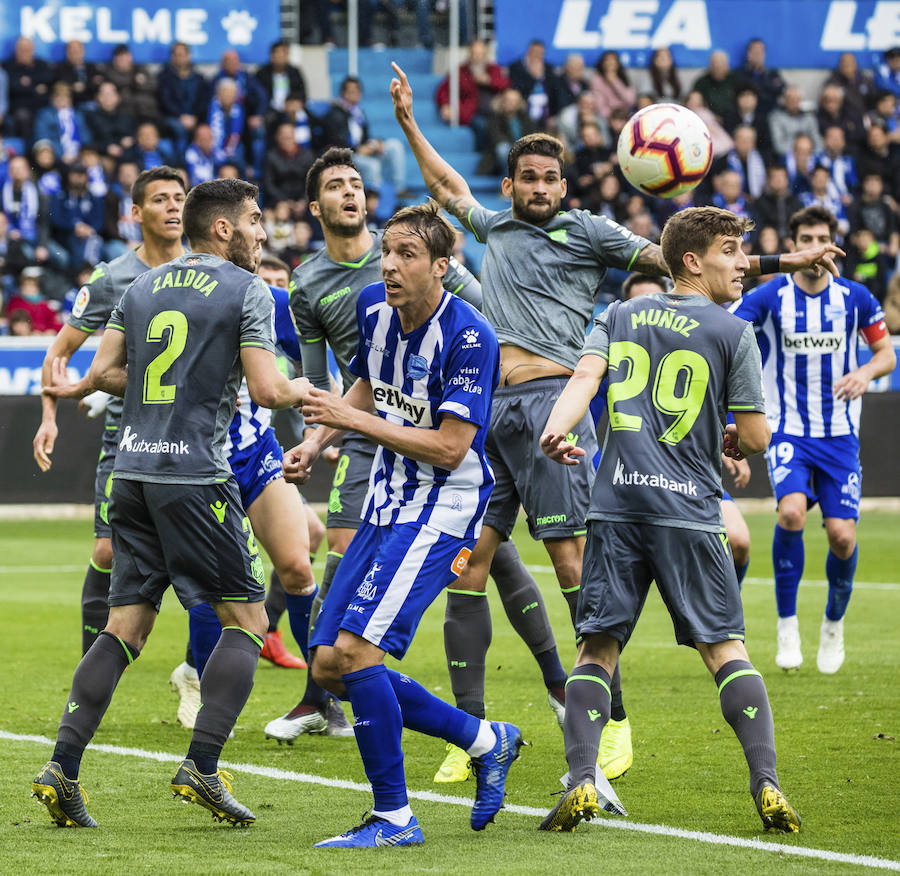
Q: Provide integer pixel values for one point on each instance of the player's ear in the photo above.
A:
(314, 209)
(439, 266)
(692, 263)
(506, 187)
(222, 228)
(564, 186)
(791, 246)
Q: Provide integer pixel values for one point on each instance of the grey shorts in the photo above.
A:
(195, 537)
(555, 497)
(693, 570)
(103, 482)
(351, 482)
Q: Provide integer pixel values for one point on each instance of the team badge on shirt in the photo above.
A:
(416, 367)
(81, 301)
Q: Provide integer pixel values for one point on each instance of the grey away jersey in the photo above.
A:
(677, 365)
(323, 301)
(185, 323)
(95, 302)
(539, 282)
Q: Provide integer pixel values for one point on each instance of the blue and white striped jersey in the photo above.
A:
(251, 421)
(448, 365)
(807, 343)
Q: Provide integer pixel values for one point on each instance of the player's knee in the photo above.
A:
(326, 671)
(102, 554)
(791, 517)
(739, 539)
(316, 531)
(842, 542)
(568, 571)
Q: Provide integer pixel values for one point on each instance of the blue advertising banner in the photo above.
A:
(797, 33)
(148, 27)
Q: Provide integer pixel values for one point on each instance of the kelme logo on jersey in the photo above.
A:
(132, 443)
(470, 336)
(390, 400)
(417, 367)
(659, 481)
(81, 301)
(815, 342)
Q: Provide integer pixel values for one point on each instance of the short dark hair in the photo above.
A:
(813, 215)
(208, 201)
(336, 156)
(428, 222)
(534, 144)
(349, 80)
(273, 263)
(694, 230)
(636, 279)
(145, 177)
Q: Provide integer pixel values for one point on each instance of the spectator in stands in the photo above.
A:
(887, 74)
(867, 263)
(203, 157)
(227, 121)
(775, 206)
(74, 71)
(254, 101)
(26, 209)
(29, 298)
(534, 80)
(611, 86)
(799, 163)
(97, 183)
(346, 125)
(300, 247)
(718, 85)
(63, 125)
(12, 254)
(368, 9)
(584, 111)
(77, 218)
(480, 80)
(835, 110)
(149, 150)
(729, 194)
(571, 82)
(745, 160)
(857, 84)
(882, 157)
(873, 210)
(4, 103)
(592, 163)
(746, 111)
(607, 199)
(307, 130)
(317, 12)
(229, 170)
(279, 226)
(507, 123)
(287, 164)
(279, 78)
(111, 125)
(721, 139)
(664, 76)
(841, 165)
(885, 115)
(767, 81)
(20, 324)
(183, 96)
(823, 193)
(891, 304)
(789, 120)
(137, 86)
(119, 223)
(29, 88)
(47, 167)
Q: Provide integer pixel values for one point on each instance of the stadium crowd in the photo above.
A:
(76, 134)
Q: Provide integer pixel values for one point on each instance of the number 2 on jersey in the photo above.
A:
(679, 366)
(155, 391)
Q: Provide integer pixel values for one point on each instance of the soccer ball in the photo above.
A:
(664, 150)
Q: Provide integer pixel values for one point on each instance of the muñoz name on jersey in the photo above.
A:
(448, 365)
(808, 342)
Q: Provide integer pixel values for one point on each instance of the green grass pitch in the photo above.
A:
(839, 762)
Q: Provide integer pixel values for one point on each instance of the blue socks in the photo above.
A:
(425, 713)
(204, 630)
(298, 609)
(787, 562)
(378, 727)
(741, 572)
(840, 583)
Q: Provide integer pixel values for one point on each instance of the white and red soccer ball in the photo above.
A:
(664, 150)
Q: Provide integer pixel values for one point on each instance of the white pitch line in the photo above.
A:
(715, 839)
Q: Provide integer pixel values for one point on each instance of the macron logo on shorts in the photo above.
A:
(390, 400)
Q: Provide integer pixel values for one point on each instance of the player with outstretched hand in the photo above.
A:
(678, 363)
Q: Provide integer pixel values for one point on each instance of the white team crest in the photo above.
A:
(834, 312)
(239, 27)
(81, 301)
(368, 590)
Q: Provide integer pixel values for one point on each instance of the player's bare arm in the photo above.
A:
(570, 407)
(268, 387)
(883, 361)
(66, 342)
(109, 370)
(749, 434)
(739, 469)
(818, 257)
(650, 261)
(448, 187)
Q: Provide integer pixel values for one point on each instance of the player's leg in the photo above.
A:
(135, 596)
(738, 536)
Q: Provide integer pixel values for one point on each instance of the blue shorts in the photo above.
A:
(386, 580)
(256, 466)
(726, 496)
(827, 470)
